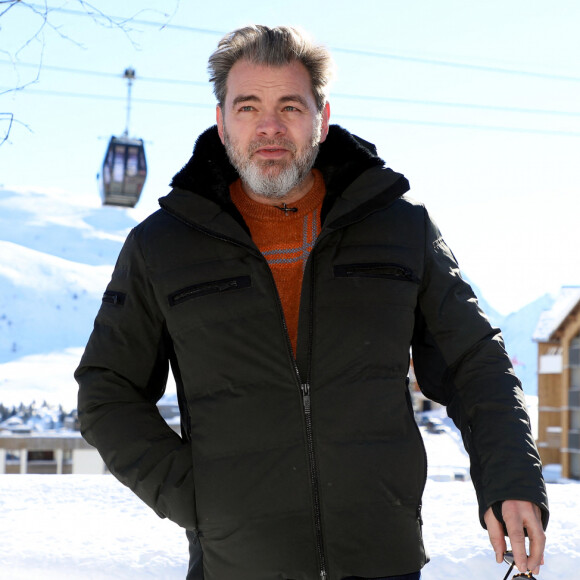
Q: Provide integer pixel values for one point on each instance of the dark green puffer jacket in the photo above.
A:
(295, 467)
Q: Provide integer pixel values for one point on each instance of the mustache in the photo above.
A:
(282, 143)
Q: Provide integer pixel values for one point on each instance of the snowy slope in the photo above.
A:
(57, 251)
(46, 301)
(56, 255)
(517, 329)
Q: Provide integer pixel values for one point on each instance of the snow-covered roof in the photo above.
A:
(550, 320)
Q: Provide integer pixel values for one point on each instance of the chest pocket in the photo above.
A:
(206, 288)
(193, 309)
(376, 270)
(376, 285)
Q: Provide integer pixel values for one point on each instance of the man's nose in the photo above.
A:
(270, 125)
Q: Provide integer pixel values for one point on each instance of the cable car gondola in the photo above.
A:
(124, 168)
(124, 172)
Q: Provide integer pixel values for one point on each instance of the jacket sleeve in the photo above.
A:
(460, 361)
(121, 376)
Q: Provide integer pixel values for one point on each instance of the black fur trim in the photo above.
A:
(209, 171)
(341, 159)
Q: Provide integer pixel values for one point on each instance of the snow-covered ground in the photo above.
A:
(72, 527)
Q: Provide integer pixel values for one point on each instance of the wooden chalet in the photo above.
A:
(558, 338)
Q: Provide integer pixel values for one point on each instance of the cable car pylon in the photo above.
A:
(124, 167)
(129, 74)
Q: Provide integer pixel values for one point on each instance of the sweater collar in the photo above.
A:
(277, 212)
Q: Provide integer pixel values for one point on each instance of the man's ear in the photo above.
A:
(325, 122)
(220, 122)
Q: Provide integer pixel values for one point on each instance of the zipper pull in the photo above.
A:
(323, 575)
(306, 396)
(228, 285)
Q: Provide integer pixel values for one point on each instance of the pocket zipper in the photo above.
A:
(206, 288)
(375, 270)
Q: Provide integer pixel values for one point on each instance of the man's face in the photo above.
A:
(271, 128)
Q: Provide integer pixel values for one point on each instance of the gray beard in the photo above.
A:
(256, 176)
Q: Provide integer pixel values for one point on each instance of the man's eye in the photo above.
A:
(290, 108)
(246, 108)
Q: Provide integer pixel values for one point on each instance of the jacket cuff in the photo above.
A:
(496, 509)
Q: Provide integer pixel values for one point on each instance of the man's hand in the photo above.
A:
(518, 515)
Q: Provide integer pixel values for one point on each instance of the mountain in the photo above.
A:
(495, 318)
(57, 252)
(517, 330)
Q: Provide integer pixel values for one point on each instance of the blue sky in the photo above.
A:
(477, 103)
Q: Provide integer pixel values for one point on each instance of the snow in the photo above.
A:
(41, 377)
(552, 317)
(56, 256)
(90, 527)
(66, 527)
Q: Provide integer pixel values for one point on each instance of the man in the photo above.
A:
(285, 279)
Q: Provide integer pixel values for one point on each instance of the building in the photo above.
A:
(558, 338)
(52, 452)
(63, 451)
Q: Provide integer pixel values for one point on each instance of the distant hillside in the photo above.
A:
(56, 256)
(57, 252)
(517, 329)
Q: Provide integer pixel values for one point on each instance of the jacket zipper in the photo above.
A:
(304, 387)
(305, 391)
(309, 434)
(312, 463)
(418, 431)
(314, 480)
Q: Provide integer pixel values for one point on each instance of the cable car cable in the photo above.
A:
(355, 51)
(456, 105)
(146, 101)
(336, 115)
(103, 74)
(497, 108)
(125, 20)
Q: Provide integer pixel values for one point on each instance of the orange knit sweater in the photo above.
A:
(285, 239)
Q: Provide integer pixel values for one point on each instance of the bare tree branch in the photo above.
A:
(9, 118)
(10, 121)
(42, 12)
(11, 3)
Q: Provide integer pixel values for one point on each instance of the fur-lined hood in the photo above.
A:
(342, 158)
